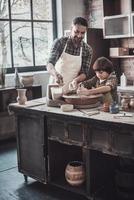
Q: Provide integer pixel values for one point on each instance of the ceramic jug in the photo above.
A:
(21, 98)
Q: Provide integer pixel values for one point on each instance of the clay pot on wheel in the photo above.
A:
(75, 173)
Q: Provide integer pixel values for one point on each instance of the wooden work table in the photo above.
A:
(49, 138)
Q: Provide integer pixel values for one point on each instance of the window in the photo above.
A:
(27, 30)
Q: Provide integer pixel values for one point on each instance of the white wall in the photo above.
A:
(71, 9)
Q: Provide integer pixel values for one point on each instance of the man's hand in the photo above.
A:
(58, 78)
(73, 85)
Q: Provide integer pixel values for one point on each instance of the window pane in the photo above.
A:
(20, 9)
(42, 9)
(5, 54)
(43, 38)
(22, 44)
(4, 14)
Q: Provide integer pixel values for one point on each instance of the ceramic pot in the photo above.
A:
(27, 80)
(21, 98)
(105, 107)
(82, 100)
(75, 173)
(132, 103)
(125, 103)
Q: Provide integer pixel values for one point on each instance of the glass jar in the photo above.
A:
(114, 108)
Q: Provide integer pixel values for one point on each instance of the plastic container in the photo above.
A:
(123, 80)
(67, 107)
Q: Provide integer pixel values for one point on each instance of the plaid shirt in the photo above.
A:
(110, 81)
(58, 47)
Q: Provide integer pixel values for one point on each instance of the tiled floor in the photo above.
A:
(12, 185)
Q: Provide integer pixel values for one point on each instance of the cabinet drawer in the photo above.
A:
(123, 143)
(99, 138)
(66, 131)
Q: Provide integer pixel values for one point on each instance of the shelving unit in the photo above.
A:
(48, 139)
(128, 56)
(60, 155)
(117, 26)
(118, 19)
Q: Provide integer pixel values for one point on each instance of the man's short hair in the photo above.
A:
(103, 64)
(80, 21)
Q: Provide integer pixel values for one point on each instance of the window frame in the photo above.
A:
(54, 21)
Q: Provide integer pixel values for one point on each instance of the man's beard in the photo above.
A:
(76, 41)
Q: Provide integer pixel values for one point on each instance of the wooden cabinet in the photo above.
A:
(69, 139)
(117, 26)
(48, 139)
(7, 120)
(118, 18)
(97, 144)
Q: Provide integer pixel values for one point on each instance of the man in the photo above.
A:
(70, 57)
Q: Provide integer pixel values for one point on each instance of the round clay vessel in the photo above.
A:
(75, 173)
(132, 103)
(27, 80)
(82, 100)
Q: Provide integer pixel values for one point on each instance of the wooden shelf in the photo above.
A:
(117, 26)
(127, 56)
(118, 19)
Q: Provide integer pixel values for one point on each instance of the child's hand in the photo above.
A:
(82, 91)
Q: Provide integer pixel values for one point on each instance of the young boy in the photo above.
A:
(104, 82)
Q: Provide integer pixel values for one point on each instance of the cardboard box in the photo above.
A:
(119, 51)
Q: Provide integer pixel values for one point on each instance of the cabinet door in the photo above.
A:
(99, 45)
(66, 130)
(31, 140)
(123, 142)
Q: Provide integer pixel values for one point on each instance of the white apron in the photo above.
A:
(69, 67)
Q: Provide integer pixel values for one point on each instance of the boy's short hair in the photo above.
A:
(80, 21)
(103, 64)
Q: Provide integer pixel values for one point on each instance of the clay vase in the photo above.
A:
(21, 98)
(105, 107)
(27, 80)
(75, 173)
(131, 103)
(125, 103)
